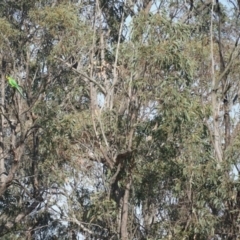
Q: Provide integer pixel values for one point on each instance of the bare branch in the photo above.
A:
(83, 75)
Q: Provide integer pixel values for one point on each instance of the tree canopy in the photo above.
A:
(129, 126)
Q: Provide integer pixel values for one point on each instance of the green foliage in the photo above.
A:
(145, 148)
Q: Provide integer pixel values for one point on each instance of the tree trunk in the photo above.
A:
(124, 220)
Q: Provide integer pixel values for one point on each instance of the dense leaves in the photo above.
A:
(130, 126)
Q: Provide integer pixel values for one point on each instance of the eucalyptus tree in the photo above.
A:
(129, 127)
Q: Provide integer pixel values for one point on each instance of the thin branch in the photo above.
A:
(230, 62)
(116, 60)
(84, 75)
(117, 50)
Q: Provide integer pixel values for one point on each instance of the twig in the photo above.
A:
(83, 74)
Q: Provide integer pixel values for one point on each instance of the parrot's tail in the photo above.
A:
(20, 91)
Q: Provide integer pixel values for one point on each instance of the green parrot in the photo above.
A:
(14, 84)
